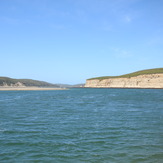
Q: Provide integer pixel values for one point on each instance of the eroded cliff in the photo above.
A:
(140, 81)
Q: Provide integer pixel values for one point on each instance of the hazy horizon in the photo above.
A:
(70, 41)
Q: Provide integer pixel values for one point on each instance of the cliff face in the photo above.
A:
(141, 81)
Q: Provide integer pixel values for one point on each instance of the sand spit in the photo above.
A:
(28, 88)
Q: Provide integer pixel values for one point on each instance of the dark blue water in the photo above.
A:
(82, 126)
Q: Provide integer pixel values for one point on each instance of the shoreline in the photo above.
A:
(29, 88)
(123, 87)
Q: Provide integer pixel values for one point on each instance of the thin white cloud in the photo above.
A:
(127, 18)
(121, 53)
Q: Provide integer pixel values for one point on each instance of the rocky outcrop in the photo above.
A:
(18, 84)
(141, 81)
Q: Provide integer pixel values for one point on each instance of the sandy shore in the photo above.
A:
(28, 88)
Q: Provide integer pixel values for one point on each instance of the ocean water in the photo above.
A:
(82, 126)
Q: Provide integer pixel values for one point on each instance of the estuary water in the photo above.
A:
(82, 126)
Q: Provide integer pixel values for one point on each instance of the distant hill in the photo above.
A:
(6, 81)
(70, 86)
(78, 85)
(134, 74)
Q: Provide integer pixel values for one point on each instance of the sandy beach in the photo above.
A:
(28, 88)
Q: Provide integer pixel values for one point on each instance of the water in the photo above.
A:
(82, 126)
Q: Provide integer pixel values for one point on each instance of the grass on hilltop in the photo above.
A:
(134, 74)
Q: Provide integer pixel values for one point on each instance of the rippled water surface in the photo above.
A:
(82, 125)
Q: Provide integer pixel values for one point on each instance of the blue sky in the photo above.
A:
(68, 41)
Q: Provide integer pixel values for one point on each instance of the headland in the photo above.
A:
(151, 78)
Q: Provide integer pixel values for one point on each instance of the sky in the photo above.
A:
(69, 41)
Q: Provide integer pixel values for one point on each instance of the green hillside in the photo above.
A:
(26, 82)
(143, 72)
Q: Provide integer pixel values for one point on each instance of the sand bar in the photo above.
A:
(28, 88)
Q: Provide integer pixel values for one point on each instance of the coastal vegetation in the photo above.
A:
(25, 82)
(134, 74)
